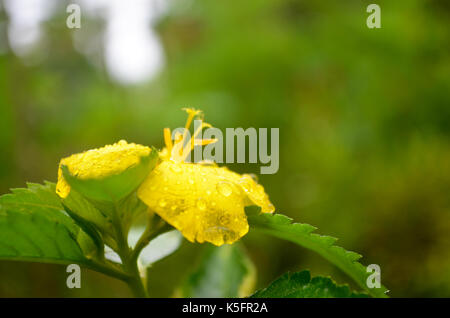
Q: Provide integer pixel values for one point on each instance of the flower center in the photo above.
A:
(182, 145)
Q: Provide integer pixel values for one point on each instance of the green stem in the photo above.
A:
(129, 263)
(135, 281)
(108, 270)
(130, 267)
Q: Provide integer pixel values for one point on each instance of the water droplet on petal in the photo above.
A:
(253, 176)
(224, 188)
(246, 183)
(175, 168)
(162, 203)
(201, 204)
(191, 181)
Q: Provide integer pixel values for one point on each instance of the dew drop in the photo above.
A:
(191, 181)
(246, 183)
(201, 204)
(224, 188)
(175, 168)
(162, 203)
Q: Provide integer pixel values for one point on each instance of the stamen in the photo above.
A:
(180, 149)
(168, 139)
(191, 145)
(199, 129)
(204, 142)
(177, 151)
(191, 114)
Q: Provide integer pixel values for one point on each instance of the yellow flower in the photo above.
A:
(101, 163)
(204, 202)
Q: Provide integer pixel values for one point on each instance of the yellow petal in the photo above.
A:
(62, 187)
(256, 193)
(100, 163)
(205, 203)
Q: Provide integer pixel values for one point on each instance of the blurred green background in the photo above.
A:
(364, 118)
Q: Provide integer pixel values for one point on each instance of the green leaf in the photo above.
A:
(85, 210)
(115, 187)
(88, 228)
(95, 223)
(300, 285)
(34, 227)
(224, 271)
(129, 209)
(282, 227)
(93, 216)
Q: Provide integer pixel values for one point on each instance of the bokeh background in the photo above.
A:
(364, 118)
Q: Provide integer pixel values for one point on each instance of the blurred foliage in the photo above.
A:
(364, 118)
(223, 272)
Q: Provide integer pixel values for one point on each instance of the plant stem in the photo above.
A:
(107, 269)
(129, 262)
(130, 267)
(135, 281)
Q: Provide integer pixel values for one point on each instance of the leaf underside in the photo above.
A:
(281, 226)
(300, 285)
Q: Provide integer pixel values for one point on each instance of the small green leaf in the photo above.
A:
(300, 285)
(84, 209)
(129, 209)
(282, 227)
(34, 227)
(115, 187)
(225, 271)
(88, 228)
(95, 215)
